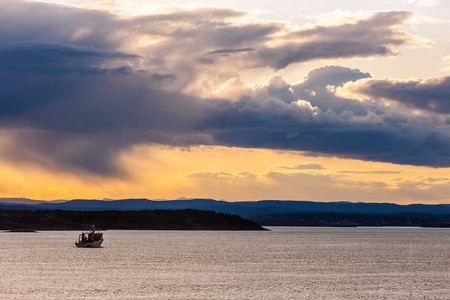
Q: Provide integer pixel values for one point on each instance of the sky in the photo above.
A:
(236, 100)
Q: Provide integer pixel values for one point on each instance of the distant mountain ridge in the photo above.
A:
(246, 209)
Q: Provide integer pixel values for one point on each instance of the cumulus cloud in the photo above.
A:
(319, 84)
(80, 86)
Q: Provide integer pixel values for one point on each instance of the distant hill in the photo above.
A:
(28, 201)
(247, 209)
(353, 220)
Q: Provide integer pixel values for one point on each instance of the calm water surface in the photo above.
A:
(284, 263)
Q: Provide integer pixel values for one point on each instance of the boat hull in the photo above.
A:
(94, 244)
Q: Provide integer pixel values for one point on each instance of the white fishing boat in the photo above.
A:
(90, 238)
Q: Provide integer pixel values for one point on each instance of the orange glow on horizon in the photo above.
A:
(233, 174)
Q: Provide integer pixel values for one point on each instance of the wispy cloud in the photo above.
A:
(304, 166)
(370, 172)
(421, 2)
(446, 64)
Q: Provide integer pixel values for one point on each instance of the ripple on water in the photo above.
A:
(285, 263)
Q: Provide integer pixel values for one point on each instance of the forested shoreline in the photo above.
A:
(187, 219)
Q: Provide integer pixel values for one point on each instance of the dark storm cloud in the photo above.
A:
(377, 27)
(374, 36)
(56, 58)
(87, 128)
(31, 21)
(324, 123)
(33, 73)
(430, 95)
(189, 34)
(401, 144)
(281, 57)
(92, 123)
(371, 37)
(72, 99)
(95, 104)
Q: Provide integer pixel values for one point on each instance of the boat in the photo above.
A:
(90, 239)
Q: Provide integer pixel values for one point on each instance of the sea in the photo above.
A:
(283, 263)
